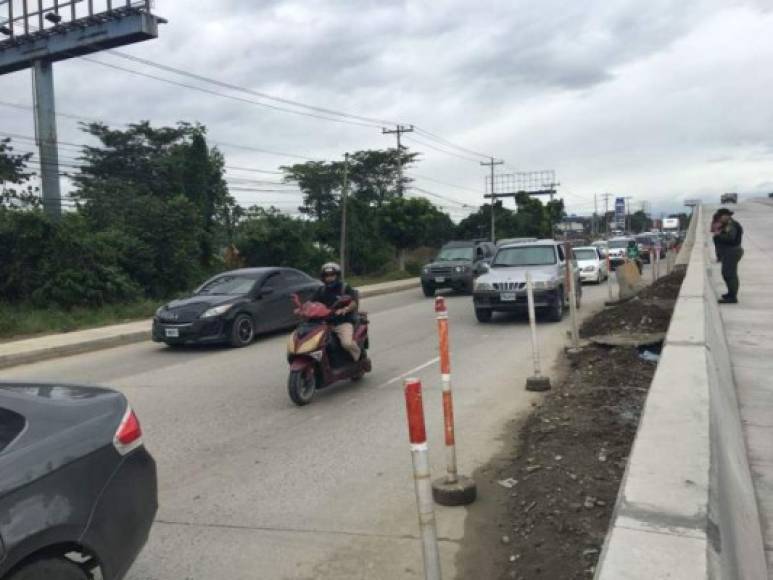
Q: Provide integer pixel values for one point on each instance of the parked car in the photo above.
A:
(592, 264)
(456, 266)
(508, 241)
(729, 198)
(503, 287)
(234, 307)
(650, 242)
(603, 247)
(78, 489)
(618, 248)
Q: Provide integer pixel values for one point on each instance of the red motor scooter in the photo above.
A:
(315, 354)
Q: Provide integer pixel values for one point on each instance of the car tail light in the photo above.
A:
(129, 434)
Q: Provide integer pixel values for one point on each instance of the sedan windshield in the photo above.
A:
(618, 243)
(585, 254)
(525, 256)
(451, 254)
(227, 286)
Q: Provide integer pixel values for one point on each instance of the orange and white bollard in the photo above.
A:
(453, 489)
(417, 435)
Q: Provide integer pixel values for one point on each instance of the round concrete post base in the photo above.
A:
(538, 384)
(462, 492)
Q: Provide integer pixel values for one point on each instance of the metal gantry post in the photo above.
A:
(45, 126)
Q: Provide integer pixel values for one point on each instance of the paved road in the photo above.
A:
(252, 487)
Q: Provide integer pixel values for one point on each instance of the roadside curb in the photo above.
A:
(389, 287)
(122, 337)
(51, 352)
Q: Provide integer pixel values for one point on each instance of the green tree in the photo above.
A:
(640, 222)
(15, 190)
(320, 182)
(161, 194)
(267, 237)
(375, 174)
(478, 225)
(408, 223)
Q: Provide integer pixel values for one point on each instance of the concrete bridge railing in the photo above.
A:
(686, 508)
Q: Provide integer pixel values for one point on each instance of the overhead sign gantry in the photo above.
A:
(36, 33)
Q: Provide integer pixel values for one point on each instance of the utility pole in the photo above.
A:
(344, 196)
(491, 163)
(628, 223)
(595, 227)
(399, 131)
(606, 197)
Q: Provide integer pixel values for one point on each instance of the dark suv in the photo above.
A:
(456, 266)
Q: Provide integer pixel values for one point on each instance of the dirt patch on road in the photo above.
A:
(546, 502)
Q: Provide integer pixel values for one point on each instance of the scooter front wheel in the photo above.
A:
(301, 386)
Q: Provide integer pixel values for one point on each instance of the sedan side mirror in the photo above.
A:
(265, 292)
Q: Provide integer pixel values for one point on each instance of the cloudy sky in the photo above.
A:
(659, 100)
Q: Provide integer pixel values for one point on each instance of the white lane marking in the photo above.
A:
(408, 373)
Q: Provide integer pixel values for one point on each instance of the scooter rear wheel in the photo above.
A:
(301, 386)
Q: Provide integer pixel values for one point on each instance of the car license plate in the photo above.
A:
(507, 297)
(172, 332)
(439, 280)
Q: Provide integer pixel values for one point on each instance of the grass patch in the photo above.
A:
(379, 278)
(22, 320)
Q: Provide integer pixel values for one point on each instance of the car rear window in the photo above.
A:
(585, 254)
(11, 426)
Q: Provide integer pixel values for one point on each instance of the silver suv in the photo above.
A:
(503, 287)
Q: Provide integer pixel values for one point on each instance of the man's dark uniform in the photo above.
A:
(729, 251)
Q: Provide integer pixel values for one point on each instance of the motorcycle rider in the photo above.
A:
(343, 321)
(632, 253)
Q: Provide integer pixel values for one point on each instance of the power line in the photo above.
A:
(449, 143)
(416, 175)
(367, 121)
(219, 94)
(446, 151)
(442, 197)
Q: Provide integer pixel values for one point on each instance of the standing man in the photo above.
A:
(728, 235)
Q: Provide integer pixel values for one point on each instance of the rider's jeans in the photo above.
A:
(345, 334)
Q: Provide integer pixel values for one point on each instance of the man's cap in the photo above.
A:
(723, 211)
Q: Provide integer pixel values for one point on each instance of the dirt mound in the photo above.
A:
(547, 506)
(650, 311)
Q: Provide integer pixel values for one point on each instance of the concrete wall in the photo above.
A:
(686, 507)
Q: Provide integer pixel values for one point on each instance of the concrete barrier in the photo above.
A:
(686, 508)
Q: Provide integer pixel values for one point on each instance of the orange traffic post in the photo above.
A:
(453, 489)
(417, 435)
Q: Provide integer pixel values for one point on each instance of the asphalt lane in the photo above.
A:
(252, 487)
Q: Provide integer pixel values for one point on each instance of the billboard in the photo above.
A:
(670, 223)
(620, 212)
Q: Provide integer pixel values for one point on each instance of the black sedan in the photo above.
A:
(234, 306)
(78, 490)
